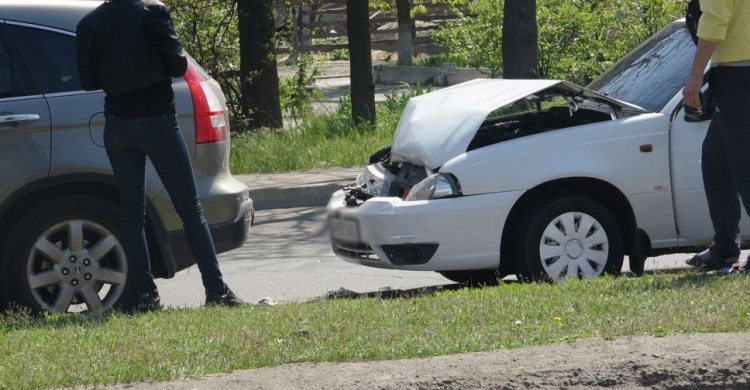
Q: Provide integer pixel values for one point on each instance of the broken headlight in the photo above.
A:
(435, 187)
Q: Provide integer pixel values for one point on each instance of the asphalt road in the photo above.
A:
(287, 257)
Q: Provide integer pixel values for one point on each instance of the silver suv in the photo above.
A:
(59, 241)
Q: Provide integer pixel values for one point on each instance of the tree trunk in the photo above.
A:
(259, 78)
(405, 37)
(360, 62)
(520, 40)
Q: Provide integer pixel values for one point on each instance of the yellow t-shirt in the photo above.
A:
(728, 22)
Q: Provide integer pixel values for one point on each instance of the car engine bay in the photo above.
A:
(506, 128)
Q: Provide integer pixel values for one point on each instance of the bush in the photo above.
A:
(297, 92)
(208, 31)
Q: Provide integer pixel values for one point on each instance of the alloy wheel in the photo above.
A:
(77, 265)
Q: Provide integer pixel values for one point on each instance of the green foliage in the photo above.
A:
(578, 39)
(208, 31)
(297, 92)
(475, 40)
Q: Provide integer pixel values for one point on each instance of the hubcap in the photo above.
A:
(77, 265)
(574, 249)
(574, 245)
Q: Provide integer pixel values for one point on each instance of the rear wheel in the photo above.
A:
(486, 277)
(571, 237)
(67, 257)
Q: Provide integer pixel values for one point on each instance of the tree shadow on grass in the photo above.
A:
(672, 279)
(428, 291)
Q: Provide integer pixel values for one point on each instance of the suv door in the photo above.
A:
(50, 55)
(24, 125)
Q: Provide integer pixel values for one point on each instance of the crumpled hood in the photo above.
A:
(439, 126)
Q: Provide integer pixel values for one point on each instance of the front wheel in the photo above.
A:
(66, 256)
(571, 237)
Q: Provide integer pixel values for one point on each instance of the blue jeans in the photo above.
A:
(128, 142)
(726, 156)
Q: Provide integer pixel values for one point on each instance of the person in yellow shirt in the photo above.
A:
(724, 40)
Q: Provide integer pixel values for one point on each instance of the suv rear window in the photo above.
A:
(50, 56)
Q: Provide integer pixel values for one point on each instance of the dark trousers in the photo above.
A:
(726, 156)
(128, 142)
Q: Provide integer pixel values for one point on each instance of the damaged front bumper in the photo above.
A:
(430, 235)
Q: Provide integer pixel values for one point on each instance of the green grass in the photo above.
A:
(57, 351)
(319, 141)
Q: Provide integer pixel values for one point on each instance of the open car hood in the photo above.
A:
(439, 126)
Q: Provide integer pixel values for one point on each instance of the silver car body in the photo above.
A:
(51, 144)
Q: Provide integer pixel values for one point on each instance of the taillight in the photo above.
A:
(210, 123)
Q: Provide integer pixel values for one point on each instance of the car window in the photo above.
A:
(10, 82)
(6, 86)
(652, 74)
(50, 57)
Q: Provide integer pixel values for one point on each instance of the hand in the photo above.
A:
(691, 93)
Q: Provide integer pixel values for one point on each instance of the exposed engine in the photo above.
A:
(505, 128)
(384, 177)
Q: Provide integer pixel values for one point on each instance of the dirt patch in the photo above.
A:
(699, 361)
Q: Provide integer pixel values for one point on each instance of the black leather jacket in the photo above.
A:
(124, 45)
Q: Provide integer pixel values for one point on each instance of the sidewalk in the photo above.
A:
(297, 189)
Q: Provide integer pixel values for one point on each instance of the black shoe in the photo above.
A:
(224, 298)
(709, 261)
(146, 303)
(740, 267)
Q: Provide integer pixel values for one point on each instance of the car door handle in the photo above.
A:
(18, 118)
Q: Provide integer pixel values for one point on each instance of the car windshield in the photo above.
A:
(653, 73)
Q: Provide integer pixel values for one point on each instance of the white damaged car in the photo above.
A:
(540, 178)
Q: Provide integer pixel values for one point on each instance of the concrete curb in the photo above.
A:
(297, 189)
(287, 197)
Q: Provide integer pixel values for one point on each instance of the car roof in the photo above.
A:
(60, 14)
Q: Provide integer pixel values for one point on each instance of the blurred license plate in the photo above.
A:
(344, 229)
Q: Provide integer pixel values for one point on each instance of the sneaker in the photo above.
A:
(146, 303)
(708, 261)
(225, 298)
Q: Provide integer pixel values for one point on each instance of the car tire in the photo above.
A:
(486, 277)
(569, 237)
(67, 256)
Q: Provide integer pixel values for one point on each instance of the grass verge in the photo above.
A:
(69, 350)
(319, 141)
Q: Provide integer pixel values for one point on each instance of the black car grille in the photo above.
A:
(355, 251)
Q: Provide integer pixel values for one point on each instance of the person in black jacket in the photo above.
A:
(129, 49)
